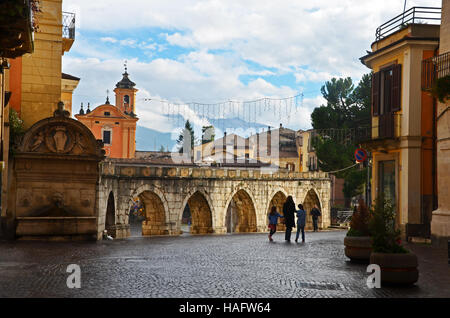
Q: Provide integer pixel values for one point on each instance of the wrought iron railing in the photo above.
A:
(433, 68)
(68, 22)
(415, 15)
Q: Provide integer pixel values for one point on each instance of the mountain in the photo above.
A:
(148, 139)
(151, 140)
(234, 123)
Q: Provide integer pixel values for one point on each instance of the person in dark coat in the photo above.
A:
(315, 212)
(289, 216)
(301, 222)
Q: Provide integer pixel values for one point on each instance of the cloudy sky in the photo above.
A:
(210, 51)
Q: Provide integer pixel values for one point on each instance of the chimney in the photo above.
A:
(257, 146)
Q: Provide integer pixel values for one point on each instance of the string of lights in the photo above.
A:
(248, 111)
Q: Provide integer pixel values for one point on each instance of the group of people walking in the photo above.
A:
(289, 212)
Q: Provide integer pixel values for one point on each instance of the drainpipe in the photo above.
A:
(434, 161)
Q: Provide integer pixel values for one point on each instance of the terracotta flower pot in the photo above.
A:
(396, 269)
(358, 248)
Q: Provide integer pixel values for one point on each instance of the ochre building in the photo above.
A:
(403, 128)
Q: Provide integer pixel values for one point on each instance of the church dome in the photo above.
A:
(125, 82)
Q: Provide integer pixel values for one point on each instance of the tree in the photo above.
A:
(188, 132)
(347, 109)
(208, 134)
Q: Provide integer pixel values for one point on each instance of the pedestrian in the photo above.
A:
(273, 221)
(301, 222)
(289, 217)
(315, 212)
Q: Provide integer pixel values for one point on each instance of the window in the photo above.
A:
(107, 137)
(386, 180)
(386, 89)
(126, 99)
(107, 114)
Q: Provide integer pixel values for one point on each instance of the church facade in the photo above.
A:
(115, 125)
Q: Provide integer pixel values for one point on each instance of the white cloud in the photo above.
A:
(108, 40)
(313, 40)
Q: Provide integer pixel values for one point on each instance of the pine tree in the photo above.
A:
(188, 131)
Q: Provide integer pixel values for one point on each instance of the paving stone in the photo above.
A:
(242, 265)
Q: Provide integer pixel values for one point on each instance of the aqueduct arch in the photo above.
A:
(243, 209)
(210, 192)
(155, 214)
(110, 217)
(200, 213)
(278, 200)
(311, 199)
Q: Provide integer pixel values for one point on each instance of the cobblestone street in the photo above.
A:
(244, 265)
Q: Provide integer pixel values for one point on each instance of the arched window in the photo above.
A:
(126, 99)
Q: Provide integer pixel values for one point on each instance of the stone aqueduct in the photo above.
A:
(165, 191)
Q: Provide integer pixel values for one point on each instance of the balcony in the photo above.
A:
(385, 132)
(415, 15)
(68, 22)
(434, 68)
(68, 30)
(16, 27)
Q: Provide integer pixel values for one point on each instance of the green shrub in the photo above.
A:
(16, 131)
(359, 225)
(441, 88)
(385, 236)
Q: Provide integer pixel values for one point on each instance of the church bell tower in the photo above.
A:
(126, 94)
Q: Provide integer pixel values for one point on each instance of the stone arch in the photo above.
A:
(311, 198)
(155, 209)
(245, 212)
(149, 188)
(277, 199)
(110, 215)
(201, 213)
(155, 214)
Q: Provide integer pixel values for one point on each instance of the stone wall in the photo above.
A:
(55, 181)
(208, 191)
(440, 224)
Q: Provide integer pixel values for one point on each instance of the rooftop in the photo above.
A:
(415, 15)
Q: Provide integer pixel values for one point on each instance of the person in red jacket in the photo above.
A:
(273, 221)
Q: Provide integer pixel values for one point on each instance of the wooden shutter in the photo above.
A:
(376, 93)
(396, 88)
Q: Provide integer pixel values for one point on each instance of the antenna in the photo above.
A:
(404, 8)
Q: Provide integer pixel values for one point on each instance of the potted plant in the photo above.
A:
(441, 89)
(358, 243)
(398, 265)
